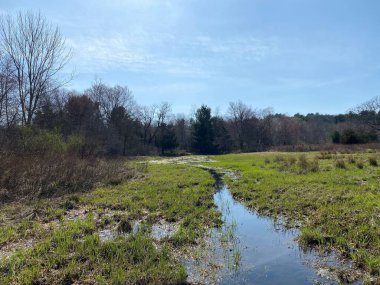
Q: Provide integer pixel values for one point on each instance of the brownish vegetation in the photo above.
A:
(32, 176)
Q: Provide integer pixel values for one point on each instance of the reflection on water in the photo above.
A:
(254, 251)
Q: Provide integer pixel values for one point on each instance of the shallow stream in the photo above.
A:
(255, 250)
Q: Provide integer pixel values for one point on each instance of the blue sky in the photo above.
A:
(292, 55)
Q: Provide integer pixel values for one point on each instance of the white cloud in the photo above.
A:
(164, 53)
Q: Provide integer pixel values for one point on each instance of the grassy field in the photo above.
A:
(59, 240)
(333, 197)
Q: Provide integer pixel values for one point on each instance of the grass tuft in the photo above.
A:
(372, 161)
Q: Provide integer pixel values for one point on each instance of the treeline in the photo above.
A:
(37, 115)
(105, 120)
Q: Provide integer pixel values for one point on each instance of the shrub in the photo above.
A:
(42, 141)
(351, 159)
(302, 162)
(335, 137)
(350, 137)
(360, 165)
(75, 143)
(372, 161)
(308, 166)
(325, 155)
(28, 177)
(313, 165)
(339, 163)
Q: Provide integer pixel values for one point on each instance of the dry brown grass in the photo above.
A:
(25, 177)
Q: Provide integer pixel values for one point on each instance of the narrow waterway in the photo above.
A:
(254, 250)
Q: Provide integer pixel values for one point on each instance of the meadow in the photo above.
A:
(334, 198)
(104, 236)
(58, 241)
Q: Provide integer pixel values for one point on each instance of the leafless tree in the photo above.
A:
(146, 115)
(240, 114)
(8, 108)
(152, 118)
(109, 98)
(38, 52)
(369, 113)
(162, 114)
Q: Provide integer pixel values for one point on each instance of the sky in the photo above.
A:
(292, 55)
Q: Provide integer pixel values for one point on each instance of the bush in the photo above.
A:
(372, 161)
(351, 159)
(75, 143)
(302, 162)
(42, 141)
(340, 164)
(308, 166)
(314, 165)
(335, 137)
(325, 155)
(350, 137)
(360, 165)
(28, 177)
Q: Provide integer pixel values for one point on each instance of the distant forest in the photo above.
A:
(105, 120)
(38, 115)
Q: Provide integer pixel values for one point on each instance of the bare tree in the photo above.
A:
(8, 108)
(240, 115)
(38, 52)
(146, 116)
(162, 114)
(369, 113)
(152, 118)
(108, 98)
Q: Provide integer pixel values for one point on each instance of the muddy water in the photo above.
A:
(253, 250)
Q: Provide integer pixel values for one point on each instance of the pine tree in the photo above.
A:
(203, 136)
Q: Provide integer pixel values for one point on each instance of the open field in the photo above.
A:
(89, 238)
(139, 231)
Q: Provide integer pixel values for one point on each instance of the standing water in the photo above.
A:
(255, 251)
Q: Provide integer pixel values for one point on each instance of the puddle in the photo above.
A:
(251, 249)
(163, 230)
(160, 230)
(182, 160)
(107, 234)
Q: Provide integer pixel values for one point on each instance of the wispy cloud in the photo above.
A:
(196, 56)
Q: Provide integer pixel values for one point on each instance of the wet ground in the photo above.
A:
(250, 249)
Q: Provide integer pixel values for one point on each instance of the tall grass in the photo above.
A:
(25, 177)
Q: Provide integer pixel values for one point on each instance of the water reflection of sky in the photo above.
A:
(268, 255)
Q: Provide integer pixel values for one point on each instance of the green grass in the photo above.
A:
(335, 198)
(67, 251)
(336, 202)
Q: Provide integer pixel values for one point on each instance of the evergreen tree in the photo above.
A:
(335, 137)
(203, 135)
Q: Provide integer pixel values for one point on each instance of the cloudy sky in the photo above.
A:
(292, 55)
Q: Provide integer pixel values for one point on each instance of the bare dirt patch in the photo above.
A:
(183, 160)
(11, 248)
